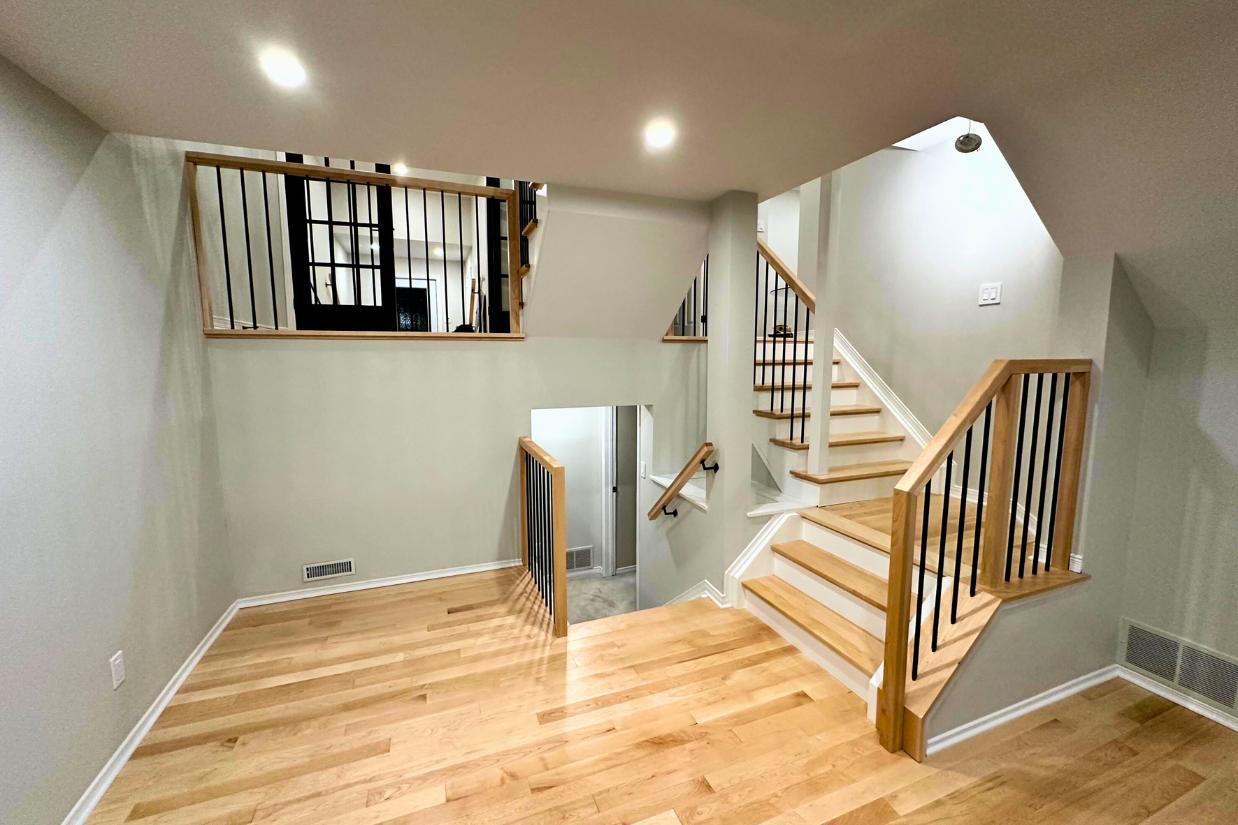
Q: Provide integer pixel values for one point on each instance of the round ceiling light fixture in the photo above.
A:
(282, 67)
(660, 134)
(400, 169)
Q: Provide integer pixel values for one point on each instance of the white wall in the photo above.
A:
(915, 234)
(580, 437)
(780, 218)
(1183, 571)
(113, 528)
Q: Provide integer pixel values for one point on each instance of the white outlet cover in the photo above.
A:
(117, 663)
(990, 294)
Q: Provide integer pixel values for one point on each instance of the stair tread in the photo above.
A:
(864, 534)
(854, 409)
(857, 581)
(855, 472)
(848, 640)
(789, 444)
(783, 415)
(868, 437)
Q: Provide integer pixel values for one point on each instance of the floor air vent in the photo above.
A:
(327, 570)
(1182, 665)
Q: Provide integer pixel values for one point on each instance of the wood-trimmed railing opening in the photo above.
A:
(698, 462)
(986, 512)
(782, 328)
(293, 249)
(543, 528)
(691, 322)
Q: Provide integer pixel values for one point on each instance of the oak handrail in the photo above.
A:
(999, 385)
(558, 526)
(701, 455)
(797, 286)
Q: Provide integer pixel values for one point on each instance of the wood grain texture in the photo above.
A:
(797, 286)
(702, 454)
(446, 702)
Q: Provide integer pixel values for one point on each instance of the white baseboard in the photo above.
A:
(847, 352)
(103, 780)
(348, 587)
(993, 720)
(1166, 692)
(704, 589)
(631, 568)
(1000, 717)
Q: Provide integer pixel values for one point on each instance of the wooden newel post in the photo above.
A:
(1001, 479)
(559, 514)
(523, 460)
(898, 617)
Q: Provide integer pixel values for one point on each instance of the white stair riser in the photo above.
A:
(776, 350)
(782, 461)
(867, 423)
(844, 396)
(863, 453)
(831, 662)
(761, 400)
(863, 490)
(857, 611)
(836, 373)
(856, 552)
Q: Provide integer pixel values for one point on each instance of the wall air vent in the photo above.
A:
(581, 558)
(327, 570)
(1152, 652)
(1209, 675)
(1187, 668)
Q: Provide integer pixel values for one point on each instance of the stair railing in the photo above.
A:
(691, 321)
(783, 314)
(343, 232)
(698, 461)
(543, 528)
(1020, 465)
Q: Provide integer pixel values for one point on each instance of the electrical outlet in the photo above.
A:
(118, 668)
(990, 294)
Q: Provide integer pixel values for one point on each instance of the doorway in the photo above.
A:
(598, 449)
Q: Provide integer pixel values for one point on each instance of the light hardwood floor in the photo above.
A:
(445, 701)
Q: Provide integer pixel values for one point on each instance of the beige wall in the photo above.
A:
(113, 535)
(914, 234)
(1183, 571)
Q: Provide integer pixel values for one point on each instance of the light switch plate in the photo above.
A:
(117, 663)
(990, 294)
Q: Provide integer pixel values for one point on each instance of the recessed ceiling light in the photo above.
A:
(400, 169)
(660, 134)
(438, 251)
(282, 67)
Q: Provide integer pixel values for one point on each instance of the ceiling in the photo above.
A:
(1117, 115)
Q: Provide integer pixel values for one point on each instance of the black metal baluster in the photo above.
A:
(483, 322)
(528, 510)
(765, 359)
(223, 228)
(982, 492)
(425, 228)
(1057, 471)
(705, 304)
(354, 239)
(756, 309)
(371, 222)
(915, 648)
(1018, 467)
(335, 292)
(958, 549)
(313, 255)
(1044, 473)
(266, 207)
(795, 316)
(249, 257)
(1031, 477)
(442, 215)
(807, 372)
(783, 379)
(464, 313)
(941, 550)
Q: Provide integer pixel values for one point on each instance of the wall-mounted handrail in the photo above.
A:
(1006, 556)
(357, 295)
(698, 459)
(543, 528)
(797, 286)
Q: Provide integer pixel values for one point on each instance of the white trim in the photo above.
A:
(1000, 717)
(690, 492)
(734, 575)
(704, 589)
(348, 587)
(1177, 697)
(891, 402)
(631, 568)
(103, 780)
(963, 732)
